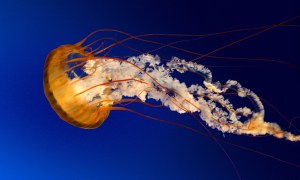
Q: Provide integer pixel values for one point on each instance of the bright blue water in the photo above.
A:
(36, 144)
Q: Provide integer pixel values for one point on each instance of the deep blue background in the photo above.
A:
(36, 144)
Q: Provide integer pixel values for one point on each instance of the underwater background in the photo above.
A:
(36, 144)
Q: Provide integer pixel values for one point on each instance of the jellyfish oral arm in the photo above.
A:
(130, 78)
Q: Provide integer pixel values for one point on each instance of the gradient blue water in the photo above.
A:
(36, 144)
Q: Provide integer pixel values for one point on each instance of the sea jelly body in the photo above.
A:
(85, 99)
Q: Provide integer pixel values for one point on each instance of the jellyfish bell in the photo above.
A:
(60, 91)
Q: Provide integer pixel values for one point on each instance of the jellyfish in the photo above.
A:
(83, 85)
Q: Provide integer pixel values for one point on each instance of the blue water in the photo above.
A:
(36, 144)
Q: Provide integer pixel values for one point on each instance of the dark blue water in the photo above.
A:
(36, 144)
